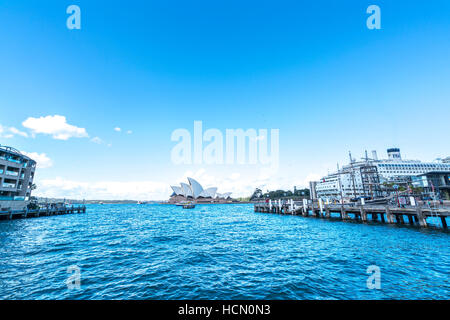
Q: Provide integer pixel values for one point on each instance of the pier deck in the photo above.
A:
(17, 214)
(386, 214)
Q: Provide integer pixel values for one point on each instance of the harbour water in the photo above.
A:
(217, 252)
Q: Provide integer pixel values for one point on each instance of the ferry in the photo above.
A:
(186, 204)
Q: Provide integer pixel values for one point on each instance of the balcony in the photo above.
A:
(12, 173)
(9, 185)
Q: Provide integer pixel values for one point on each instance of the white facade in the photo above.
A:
(16, 175)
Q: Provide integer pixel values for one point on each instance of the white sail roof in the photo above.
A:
(195, 190)
(211, 192)
(178, 191)
(187, 191)
(196, 187)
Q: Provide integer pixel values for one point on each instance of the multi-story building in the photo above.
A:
(364, 178)
(16, 177)
(434, 183)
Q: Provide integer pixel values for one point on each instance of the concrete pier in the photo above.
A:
(415, 216)
(48, 211)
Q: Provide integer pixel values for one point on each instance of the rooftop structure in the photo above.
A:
(16, 175)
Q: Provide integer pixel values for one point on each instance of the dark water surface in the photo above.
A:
(217, 252)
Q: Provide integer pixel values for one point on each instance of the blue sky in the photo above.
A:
(311, 69)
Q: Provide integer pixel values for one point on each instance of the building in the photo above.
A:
(312, 190)
(365, 178)
(434, 184)
(16, 178)
(446, 160)
(193, 190)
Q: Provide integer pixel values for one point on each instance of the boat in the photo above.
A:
(186, 204)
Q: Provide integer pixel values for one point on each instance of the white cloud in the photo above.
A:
(104, 190)
(42, 160)
(56, 126)
(129, 132)
(241, 184)
(10, 132)
(117, 129)
(97, 140)
(235, 176)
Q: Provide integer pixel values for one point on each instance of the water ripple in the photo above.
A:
(216, 252)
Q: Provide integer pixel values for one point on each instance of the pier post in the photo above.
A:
(382, 217)
(320, 213)
(327, 210)
(375, 216)
(363, 214)
(305, 207)
(345, 215)
(389, 216)
(421, 217)
(10, 216)
(25, 213)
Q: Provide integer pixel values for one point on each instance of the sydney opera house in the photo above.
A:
(194, 191)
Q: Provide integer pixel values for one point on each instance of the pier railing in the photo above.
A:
(413, 215)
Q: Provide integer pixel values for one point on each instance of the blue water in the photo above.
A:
(217, 252)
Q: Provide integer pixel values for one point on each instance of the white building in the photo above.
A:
(194, 190)
(363, 178)
(16, 178)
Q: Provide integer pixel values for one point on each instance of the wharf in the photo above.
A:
(382, 213)
(48, 211)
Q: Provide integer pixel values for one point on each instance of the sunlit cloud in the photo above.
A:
(105, 190)
(10, 132)
(56, 126)
(97, 140)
